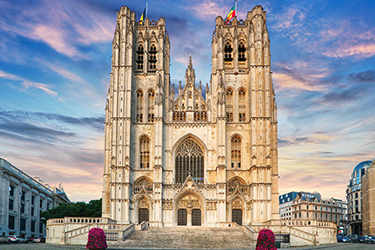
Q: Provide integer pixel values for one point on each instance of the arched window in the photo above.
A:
(151, 103)
(241, 105)
(189, 160)
(228, 52)
(139, 60)
(229, 105)
(152, 59)
(144, 152)
(139, 106)
(236, 152)
(241, 52)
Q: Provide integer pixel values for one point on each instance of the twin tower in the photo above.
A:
(183, 157)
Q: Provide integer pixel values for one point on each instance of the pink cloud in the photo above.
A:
(41, 86)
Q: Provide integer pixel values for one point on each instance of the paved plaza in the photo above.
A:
(338, 246)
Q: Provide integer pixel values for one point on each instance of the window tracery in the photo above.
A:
(139, 106)
(242, 105)
(236, 152)
(189, 160)
(152, 59)
(144, 152)
(229, 105)
(151, 103)
(139, 61)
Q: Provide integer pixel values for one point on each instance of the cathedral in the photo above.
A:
(188, 157)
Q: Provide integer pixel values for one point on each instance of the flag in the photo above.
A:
(231, 14)
(143, 16)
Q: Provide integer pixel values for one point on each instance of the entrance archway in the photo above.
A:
(237, 216)
(143, 210)
(189, 210)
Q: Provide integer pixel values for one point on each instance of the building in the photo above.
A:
(22, 198)
(305, 206)
(368, 200)
(354, 197)
(192, 158)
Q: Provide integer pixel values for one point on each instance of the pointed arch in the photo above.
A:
(151, 104)
(153, 58)
(236, 152)
(228, 51)
(144, 152)
(241, 51)
(139, 60)
(229, 104)
(242, 104)
(139, 105)
(189, 160)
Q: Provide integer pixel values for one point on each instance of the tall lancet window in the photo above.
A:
(144, 152)
(242, 105)
(139, 60)
(152, 59)
(151, 104)
(189, 160)
(229, 105)
(228, 52)
(241, 52)
(139, 106)
(236, 151)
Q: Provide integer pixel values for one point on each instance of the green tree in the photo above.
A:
(74, 209)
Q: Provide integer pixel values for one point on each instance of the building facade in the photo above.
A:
(368, 200)
(22, 199)
(310, 206)
(354, 198)
(191, 158)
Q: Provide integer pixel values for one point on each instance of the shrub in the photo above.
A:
(96, 239)
(266, 240)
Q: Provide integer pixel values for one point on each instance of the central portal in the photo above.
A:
(189, 211)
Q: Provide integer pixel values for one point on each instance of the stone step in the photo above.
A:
(188, 238)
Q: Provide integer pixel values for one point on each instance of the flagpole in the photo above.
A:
(236, 8)
(146, 9)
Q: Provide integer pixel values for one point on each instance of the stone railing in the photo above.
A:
(128, 231)
(250, 232)
(303, 235)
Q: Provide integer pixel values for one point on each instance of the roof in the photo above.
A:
(364, 164)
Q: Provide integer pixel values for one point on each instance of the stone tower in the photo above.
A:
(190, 160)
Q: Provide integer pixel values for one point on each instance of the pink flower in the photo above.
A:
(96, 239)
(266, 240)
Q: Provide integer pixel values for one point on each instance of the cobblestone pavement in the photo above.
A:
(339, 246)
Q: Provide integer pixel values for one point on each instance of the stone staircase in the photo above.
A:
(188, 238)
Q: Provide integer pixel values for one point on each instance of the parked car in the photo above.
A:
(16, 239)
(345, 239)
(36, 240)
(369, 240)
(3, 240)
(359, 239)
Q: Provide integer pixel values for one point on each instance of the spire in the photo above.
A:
(190, 63)
(190, 73)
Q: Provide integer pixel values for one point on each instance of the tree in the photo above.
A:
(74, 209)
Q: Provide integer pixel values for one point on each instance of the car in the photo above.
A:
(358, 239)
(16, 239)
(369, 240)
(36, 240)
(3, 240)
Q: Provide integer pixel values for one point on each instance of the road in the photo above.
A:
(41, 246)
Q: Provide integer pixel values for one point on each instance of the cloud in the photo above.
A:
(45, 87)
(208, 10)
(365, 76)
(10, 76)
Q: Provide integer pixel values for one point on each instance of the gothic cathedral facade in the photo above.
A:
(191, 158)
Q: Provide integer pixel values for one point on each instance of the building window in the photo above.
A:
(229, 105)
(11, 204)
(236, 151)
(11, 191)
(22, 208)
(41, 228)
(241, 105)
(23, 224)
(241, 52)
(139, 106)
(139, 60)
(23, 195)
(152, 59)
(144, 152)
(41, 204)
(32, 211)
(33, 226)
(11, 221)
(228, 52)
(189, 160)
(32, 200)
(151, 103)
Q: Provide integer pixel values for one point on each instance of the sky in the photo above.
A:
(55, 61)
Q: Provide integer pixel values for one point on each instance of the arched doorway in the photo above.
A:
(189, 211)
(189, 159)
(237, 216)
(143, 211)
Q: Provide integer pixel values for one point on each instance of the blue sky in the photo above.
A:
(54, 75)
